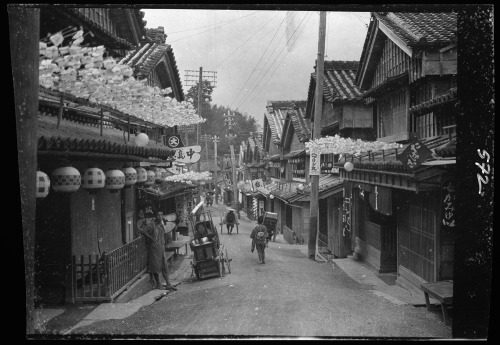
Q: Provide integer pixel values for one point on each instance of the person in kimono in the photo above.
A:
(259, 239)
(155, 242)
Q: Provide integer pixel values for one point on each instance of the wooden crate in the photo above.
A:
(208, 269)
(204, 252)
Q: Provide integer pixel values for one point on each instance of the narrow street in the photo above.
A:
(290, 295)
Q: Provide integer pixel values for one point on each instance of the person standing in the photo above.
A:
(230, 220)
(155, 237)
(259, 239)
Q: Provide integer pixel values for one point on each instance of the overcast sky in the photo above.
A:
(249, 50)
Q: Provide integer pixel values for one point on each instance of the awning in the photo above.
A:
(441, 162)
(328, 185)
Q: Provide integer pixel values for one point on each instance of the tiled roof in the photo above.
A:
(276, 115)
(450, 96)
(301, 125)
(295, 154)
(288, 191)
(339, 82)
(146, 57)
(421, 28)
(75, 137)
(327, 183)
(168, 189)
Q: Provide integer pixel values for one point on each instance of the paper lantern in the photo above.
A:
(142, 175)
(300, 186)
(141, 139)
(130, 176)
(42, 184)
(93, 180)
(162, 173)
(115, 180)
(271, 196)
(348, 166)
(151, 178)
(65, 179)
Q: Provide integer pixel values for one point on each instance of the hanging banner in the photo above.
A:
(188, 154)
(173, 141)
(346, 217)
(315, 164)
(448, 205)
(256, 183)
(380, 200)
(415, 154)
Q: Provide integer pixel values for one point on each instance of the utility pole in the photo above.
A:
(206, 138)
(216, 186)
(200, 89)
(235, 188)
(318, 109)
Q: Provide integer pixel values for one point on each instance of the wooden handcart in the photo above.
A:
(224, 222)
(210, 256)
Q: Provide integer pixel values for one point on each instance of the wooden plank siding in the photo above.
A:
(99, 16)
(393, 61)
(392, 113)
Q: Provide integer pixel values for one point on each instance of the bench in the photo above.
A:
(442, 291)
(168, 257)
(175, 246)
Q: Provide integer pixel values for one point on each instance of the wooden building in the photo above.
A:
(87, 245)
(400, 218)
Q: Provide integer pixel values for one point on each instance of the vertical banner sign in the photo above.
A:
(314, 167)
(448, 214)
(415, 154)
(180, 202)
(346, 218)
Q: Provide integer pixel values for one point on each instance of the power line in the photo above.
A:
(253, 70)
(246, 41)
(201, 27)
(272, 73)
(199, 33)
(264, 74)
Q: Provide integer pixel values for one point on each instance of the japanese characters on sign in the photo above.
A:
(346, 217)
(481, 177)
(315, 166)
(415, 154)
(188, 154)
(256, 183)
(448, 214)
(173, 141)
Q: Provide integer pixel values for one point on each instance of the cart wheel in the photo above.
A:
(228, 262)
(237, 229)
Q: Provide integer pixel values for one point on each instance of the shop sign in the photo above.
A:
(173, 141)
(346, 217)
(415, 154)
(315, 166)
(256, 183)
(188, 154)
(448, 214)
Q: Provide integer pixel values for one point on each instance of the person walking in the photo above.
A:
(155, 237)
(230, 220)
(259, 239)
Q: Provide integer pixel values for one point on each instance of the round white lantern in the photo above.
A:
(141, 139)
(142, 175)
(300, 186)
(42, 184)
(348, 166)
(130, 176)
(93, 180)
(161, 174)
(65, 179)
(151, 178)
(115, 180)
(271, 197)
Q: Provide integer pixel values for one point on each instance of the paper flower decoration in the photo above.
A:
(338, 145)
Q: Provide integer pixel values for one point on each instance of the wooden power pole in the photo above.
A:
(24, 29)
(318, 109)
(235, 188)
(200, 90)
(216, 186)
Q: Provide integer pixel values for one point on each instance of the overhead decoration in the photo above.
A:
(65, 179)
(130, 176)
(86, 73)
(142, 175)
(338, 145)
(42, 184)
(191, 176)
(141, 139)
(93, 180)
(115, 180)
(348, 166)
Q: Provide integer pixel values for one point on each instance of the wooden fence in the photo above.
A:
(102, 278)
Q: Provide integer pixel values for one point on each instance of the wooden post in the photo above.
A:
(200, 89)
(318, 109)
(216, 140)
(235, 188)
(102, 120)
(61, 109)
(24, 31)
